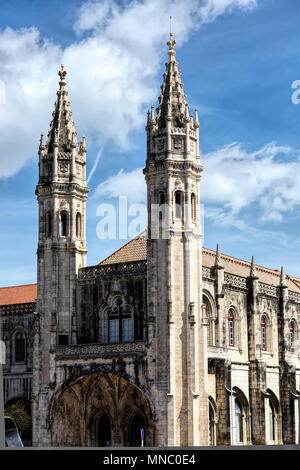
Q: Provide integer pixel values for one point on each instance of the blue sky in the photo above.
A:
(238, 60)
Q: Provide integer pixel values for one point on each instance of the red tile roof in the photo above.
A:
(136, 250)
(18, 294)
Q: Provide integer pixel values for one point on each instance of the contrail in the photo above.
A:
(95, 165)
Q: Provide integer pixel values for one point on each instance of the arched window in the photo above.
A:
(238, 421)
(271, 422)
(120, 323)
(263, 332)
(231, 327)
(292, 337)
(178, 205)
(193, 207)
(161, 198)
(48, 224)
(63, 224)
(19, 347)
(78, 225)
(212, 424)
(207, 312)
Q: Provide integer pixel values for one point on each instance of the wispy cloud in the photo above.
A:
(112, 69)
(269, 178)
(234, 179)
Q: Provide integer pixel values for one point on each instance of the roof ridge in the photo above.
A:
(19, 285)
(248, 263)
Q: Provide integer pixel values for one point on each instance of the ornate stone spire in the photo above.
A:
(283, 282)
(218, 262)
(252, 268)
(172, 100)
(62, 128)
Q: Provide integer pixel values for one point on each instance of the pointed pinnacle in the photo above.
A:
(252, 268)
(83, 145)
(283, 282)
(187, 116)
(218, 262)
(74, 140)
(196, 118)
(152, 115)
(42, 141)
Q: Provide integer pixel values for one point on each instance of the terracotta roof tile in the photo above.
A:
(18, 294)
(135, 250)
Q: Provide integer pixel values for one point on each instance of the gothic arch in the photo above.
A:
(79, 404)
(268, 332)
(274, 401)
(213, 421)
(243, 401)
(210, 314)
(293, 333)
(18, 342)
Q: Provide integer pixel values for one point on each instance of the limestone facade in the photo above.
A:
(191, 345)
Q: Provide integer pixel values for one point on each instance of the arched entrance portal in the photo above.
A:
(101, 407)
(104, 431)
(137, 424)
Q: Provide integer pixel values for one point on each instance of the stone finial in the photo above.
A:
(252, 268)
(191, 119)
(283, 282)
(152, 115)
(171, 43)
(42, 146)
(218, 262)
(187, 115)
(62, 74)
(196, 123)
(74, 140)
(83, 144)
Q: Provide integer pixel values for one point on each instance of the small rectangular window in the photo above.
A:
(63, 340)
(127, 332)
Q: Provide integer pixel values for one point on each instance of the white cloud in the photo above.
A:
(112, 71)
(267, 179)
(236, 179)
(131, 185)
(211, 9)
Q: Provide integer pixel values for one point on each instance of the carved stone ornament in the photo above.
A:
(64, 167)
(160, 145)
(177, 143)
(63, 204)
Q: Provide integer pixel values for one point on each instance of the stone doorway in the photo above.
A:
(104, 431)
(137, 424)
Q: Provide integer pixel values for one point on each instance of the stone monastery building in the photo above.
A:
(191, 345)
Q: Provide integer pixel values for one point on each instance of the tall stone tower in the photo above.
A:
(177, 361)
(61, 194)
